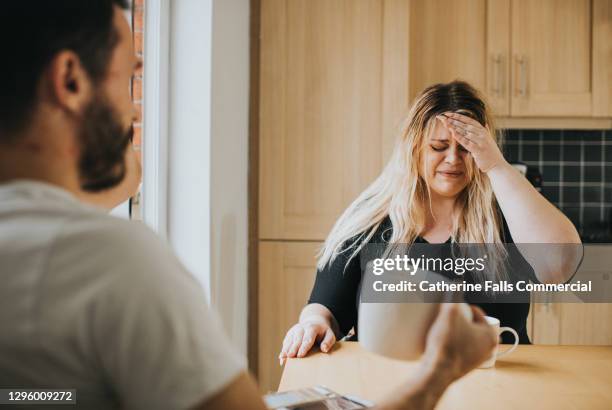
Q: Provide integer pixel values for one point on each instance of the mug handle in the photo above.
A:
(511, 349)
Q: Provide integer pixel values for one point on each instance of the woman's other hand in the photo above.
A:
(303, 336)
(475, 138)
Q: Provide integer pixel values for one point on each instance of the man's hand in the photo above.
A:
(456, 344)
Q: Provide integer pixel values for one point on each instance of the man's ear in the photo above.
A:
(68, 83)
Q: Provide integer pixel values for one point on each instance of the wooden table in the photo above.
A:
(533, 377)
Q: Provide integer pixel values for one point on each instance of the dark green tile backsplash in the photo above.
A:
(576, 168)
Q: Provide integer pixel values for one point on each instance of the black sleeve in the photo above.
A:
(336, 287)
(519, 268)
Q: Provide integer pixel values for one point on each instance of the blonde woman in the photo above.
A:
(446, 181)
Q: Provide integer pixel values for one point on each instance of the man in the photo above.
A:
(95, 303)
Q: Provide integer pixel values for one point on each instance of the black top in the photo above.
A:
(337, 288)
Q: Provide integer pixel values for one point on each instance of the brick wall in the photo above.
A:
(138, 38)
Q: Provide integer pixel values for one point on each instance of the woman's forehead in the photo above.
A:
(439, 132)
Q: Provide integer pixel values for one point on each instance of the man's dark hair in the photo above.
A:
(32, 32)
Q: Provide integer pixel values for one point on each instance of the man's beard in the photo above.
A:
(103, 143)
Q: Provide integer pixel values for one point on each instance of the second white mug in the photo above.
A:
(494, 322)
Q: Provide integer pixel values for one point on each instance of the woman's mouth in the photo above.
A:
(451, 174)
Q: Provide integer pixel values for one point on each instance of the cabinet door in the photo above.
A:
(578, 323)
(551, 52)
(447, 42)
(602, 58)
(286, 276)
(572, 323)
(320, 111)
(498, 56)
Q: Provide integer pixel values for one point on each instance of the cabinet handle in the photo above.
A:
(497, 87)
(522, 68)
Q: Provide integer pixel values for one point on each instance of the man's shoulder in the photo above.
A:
(103, 244)
(96, 229)
(101, 226)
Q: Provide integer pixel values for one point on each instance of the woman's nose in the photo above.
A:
(453, 154)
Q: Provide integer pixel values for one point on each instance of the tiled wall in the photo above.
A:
(576, 168)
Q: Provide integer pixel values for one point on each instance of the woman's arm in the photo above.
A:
(316, 324)
(531, 218)
(331, 310)
(315, 312)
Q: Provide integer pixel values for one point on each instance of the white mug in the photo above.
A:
(398, 330)
(494, 322)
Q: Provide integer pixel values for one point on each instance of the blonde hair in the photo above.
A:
(401, 193)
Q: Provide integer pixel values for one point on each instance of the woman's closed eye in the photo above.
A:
(443, 147)
(439, 147)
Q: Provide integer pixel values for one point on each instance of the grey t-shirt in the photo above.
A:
(101, 305)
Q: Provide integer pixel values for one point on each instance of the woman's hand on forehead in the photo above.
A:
(475, 138)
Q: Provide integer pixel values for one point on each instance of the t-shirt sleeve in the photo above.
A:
(521, 265)
(336, 287)
(155, 337)
(517, 265)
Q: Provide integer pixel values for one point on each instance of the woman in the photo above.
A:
(447, 181)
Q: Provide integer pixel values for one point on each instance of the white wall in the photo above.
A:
(229, 183)
(189, 141)
(200, 82)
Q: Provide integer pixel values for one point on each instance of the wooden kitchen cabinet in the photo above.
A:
(572, 324)
(578, 323)
(531, 59)
(551, 63)
(333, 92)
(286, 275)
(463, 39)
(498, 56)
(549, 58)
(447, 42)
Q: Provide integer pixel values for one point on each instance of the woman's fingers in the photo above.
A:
(286, 344)
(301, 337)
(282, 356)
(298, 334)
(453, 126)
(462, 118)
(475, 138)
(469, 127)
(468, 131)
(328, 340)
(467, 143)
(308, 340)
(461, 125)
